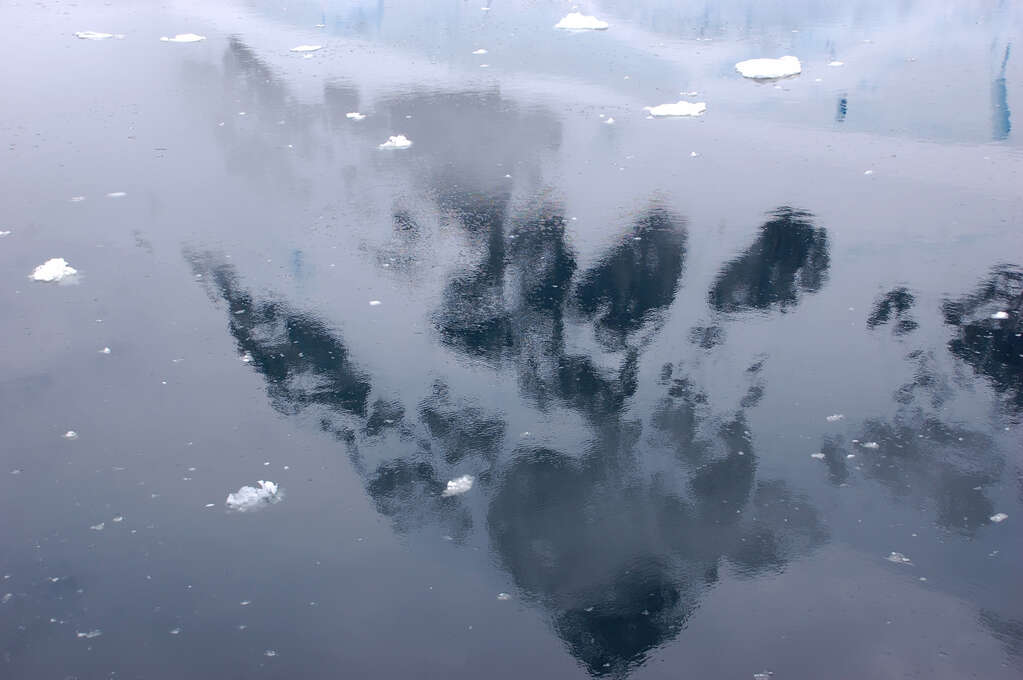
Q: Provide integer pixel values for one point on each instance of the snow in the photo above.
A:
(459, 485)
(307, 48)
(184, 38)
(576, 21)
(397, 142)
(250, 498)
(680, 108)
(54, 269)
(355, 115)
(769, 68)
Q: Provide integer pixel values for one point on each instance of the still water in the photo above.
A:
(735, 394)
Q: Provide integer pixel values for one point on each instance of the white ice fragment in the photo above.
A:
(693, 154)
(307, 48)
(93, 35)
(576, 21)
(835, 418)
(374, 303)
(90, 634)
(899, 558)
(680, 108)
(355, 115)
(484, 65)
(766, 675)
(397, 142)
(77, 199)
(504, 597)
(459, 485)
(769, 68)
(183, 38)
(5, 233)
(70, 434)
(818, 455)
(1000, 315)
(54, 269)
(98, 527)
(175, 631)
(609, 121)
(250, 498)
(117, 194)
(870, 445)
(868, 172)
(836, 63)
(245, 603)
(119, 518)
(270, 652)
(209, 505)
(6, 598)
(480, 51)
(998, 518)
(850, 455)
(246, 358)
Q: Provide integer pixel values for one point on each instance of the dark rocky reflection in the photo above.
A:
(789, 257)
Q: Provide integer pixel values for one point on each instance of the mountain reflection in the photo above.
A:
(789, 257)
(894, 305)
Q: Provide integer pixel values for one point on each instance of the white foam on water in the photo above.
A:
(480, 51)
(93, 35)
(251, 498)
(88, 635)
(835, 418)
(870, 445)
(397, 142)
(998, 518)
(818, 456)
(307, 48)
(53, 270)
(576, 21)
(782, 67)
(996, 315)
(680, 108)
(183, 38)
(355, 115)
(459, 485)
(899, 558)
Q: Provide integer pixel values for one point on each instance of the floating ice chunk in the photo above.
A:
(869, 445)
(184, 38)
(484, 65)
(680, 108)
(996, 315)
(270, 652)
(998, 518)
(576, 21)
(504, 597)
(246, 358)
(54, 269)
(70, 434)
(836, 63)
(98, 527)
(355, 115)
(899, 558)
(77, 199)
(105, 350)
(117, 194)
(766, 675)
(609, 121)
(250, 498)
(397, 142)
(693, 154)
(374, 303)
(245, 603)
(175, 631)
(5, 233)
(88, 635)
(769, 68)
(119, 518)
(307, 48)
(868, 172)
(835, 418)
(693, 93)
(93, 35)
(459, 485)
(6, 598)
(818, 455)
(480, 51)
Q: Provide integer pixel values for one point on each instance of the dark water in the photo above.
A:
(634, 350)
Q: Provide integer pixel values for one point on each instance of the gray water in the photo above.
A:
(636, 337)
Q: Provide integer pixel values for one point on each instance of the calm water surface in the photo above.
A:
(706, 374)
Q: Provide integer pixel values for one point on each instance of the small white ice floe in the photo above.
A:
(818, 455)
(98, 527)
(6, 598)
(479, 51)
(835, 418)
(77, 199)
(397, 142)
(899, 558)
(996, 315)
(88, 635)
(175, 631)
(70, 434)
(576, 21)
(870, 445)
(680, 108)
(93, 35)
(782, 67)
(868, 172)
(998, 518)
(250, 498)
(307, 48)
(484, 65)
(183, 38)
(504, 597)
(119, 518)
(270, 652)
(694, 154)
(117, 194)
(374, 303)
(105, 350)
(836, 63)
(609, 121)
(459, 485)
(5, 233)
(355, 115)
(53, 270)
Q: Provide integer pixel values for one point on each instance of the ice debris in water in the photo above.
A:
(503, 596)
(246, 358)
(5, 233)
(836, 63)
(609, 121)
(54, 269)
(250, 498)
(576, 21)
(117, 194)
(105, 350)
(374, 303)
(1000, 315)
(307, 48)
(270, 652)
(818, 455)
(459, 485)
(869, 445)
(769, 68)
(998, 518)
(355, 115)
(766, 675)
(175, 631)
(184, 38)
(93, 35)
(680, 108)
(90, 634)
(397, 142)
(835, 418)
(70, 434)
(899, 558)
(480, 51)
(98, 527)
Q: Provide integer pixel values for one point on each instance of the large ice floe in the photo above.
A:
(783, 67)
